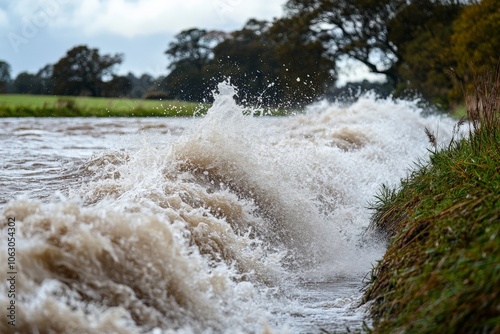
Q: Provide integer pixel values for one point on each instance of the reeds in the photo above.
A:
(483, 106)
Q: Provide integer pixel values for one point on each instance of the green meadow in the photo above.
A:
(12, 105)
(17, 105)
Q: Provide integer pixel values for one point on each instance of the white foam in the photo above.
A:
(218, 230)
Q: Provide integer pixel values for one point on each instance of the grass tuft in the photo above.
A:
(441, 271)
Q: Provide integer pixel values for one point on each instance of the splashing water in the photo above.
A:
(225, 224)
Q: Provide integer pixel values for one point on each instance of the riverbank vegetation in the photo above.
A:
(441, 272)
(65, 106)
(18, 105)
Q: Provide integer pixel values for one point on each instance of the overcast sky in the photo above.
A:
(35, 33)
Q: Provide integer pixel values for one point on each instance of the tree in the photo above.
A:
(83, 71)
(248, 58)
(352, 28)
(276, 63)
(44, 76)
(39, 83)
(476, 39)
(305, 71)
(195, 46)
(189, 53)
(4, 76)
(25, 83)
(407, 40)
(422, 32)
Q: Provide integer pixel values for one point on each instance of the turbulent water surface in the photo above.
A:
(222, 224)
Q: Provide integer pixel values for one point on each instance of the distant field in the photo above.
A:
(12, 105)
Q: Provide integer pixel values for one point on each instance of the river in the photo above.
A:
(222, 224)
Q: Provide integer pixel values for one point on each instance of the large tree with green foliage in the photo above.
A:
(189, 53)
(476, 39)
(247, 57)
(422, 32)
(83, 71)
(408, 41)
(305, 69)
(356, 29)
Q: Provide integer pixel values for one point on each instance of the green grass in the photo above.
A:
(65, 106)
(441, 271)
(14, 105)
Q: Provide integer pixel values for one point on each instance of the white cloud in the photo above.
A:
(131, 18)
(37, 13)
(4, 20)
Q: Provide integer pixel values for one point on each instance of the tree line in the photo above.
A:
(421, 46)
(82, 72)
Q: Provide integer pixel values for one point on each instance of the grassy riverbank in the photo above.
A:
(441, 272)
(14, 105)
(67, 106)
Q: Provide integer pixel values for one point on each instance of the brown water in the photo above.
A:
(223, 224)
